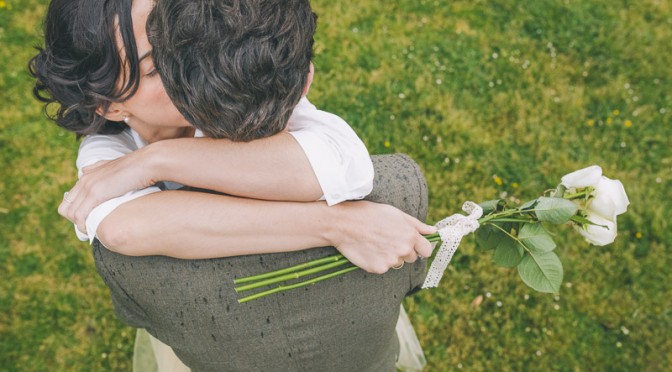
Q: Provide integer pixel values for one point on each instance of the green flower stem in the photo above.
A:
(290, 276)
(296, 285)
(586, 192)
(524, 220)
(433, 237)
(494, 217)
(291, 269)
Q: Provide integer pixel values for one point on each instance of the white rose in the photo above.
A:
(609, 198)
(583, 177)
(599, 235)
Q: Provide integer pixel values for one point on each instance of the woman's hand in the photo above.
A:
(377, 237)
(103, 181)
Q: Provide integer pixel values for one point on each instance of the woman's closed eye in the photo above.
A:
(152, 73)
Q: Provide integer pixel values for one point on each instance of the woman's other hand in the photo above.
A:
(103, 181)
(377, 237)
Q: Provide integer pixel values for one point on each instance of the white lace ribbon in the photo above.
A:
(451, 230)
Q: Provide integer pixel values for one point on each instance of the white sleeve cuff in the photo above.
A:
(343, 168)
(99, 213)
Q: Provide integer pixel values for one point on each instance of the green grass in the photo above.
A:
(526, 91)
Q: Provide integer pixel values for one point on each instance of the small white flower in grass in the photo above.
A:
(625, 330)
(556, 307)
(526, 297)
(538, 353)
(499, 303)
(488, 294)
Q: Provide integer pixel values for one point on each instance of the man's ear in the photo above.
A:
(309, 80)
(113, 113)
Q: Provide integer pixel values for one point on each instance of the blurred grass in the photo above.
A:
(524, 91)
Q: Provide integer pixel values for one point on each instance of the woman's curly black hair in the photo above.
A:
(79, 65)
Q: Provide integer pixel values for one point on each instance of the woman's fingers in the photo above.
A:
(75, 205)
(422, 246)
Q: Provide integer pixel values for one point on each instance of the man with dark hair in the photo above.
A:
(234, 69)
(237, 70)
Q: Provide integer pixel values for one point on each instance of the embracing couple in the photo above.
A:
(210, 94)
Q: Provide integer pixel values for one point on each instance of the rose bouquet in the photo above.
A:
(518, 235)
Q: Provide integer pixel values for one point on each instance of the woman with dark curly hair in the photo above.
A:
(96, 67)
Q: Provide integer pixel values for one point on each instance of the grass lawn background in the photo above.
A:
(491, 98)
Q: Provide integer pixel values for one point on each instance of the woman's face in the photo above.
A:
(150, 112)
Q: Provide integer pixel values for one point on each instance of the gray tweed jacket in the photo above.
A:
(342, 324)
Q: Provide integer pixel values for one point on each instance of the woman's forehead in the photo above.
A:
(140, 10)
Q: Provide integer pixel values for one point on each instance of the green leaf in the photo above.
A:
(508, 253)
(530, 204)
(555, 210)
(541, 271)
(488, 236)
(490, 206)
(559, 191)
(536, 238)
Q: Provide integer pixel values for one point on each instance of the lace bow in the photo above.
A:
(451, 230)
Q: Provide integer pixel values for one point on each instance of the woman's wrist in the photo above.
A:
(338, 222)
(154, 161)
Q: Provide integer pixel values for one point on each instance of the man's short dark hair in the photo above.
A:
(234, 68)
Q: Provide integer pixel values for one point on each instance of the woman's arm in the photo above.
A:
(271, 168)
(185, 224)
